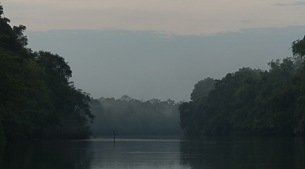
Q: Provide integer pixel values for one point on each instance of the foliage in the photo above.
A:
(202, 89)
(137, 117)
(298, 47)
(37, 99)
(251, 101)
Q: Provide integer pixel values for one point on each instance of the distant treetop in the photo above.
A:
(298, 47)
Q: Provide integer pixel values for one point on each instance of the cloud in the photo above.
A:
(173, 16)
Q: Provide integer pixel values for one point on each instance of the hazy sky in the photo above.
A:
(171, 16)
(158, 48)
(147, 65)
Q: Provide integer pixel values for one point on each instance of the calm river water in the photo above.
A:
(209, 153)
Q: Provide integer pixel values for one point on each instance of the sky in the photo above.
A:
(158, 48)
(171, 16)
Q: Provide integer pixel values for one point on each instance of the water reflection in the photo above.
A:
(213, 153)
(47, 155)
(240, 153)
(137, 154)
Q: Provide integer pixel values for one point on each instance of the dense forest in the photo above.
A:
(37, 99)
(250, 101)
(134, 117)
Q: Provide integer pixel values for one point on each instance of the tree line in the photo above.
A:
(37, 99)
(250, 101)
(128, 116)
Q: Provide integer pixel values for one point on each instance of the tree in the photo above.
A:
(298, 47)
(71, 110)
(131, 116)
(55, 66)
(37, 98)
(202, 89)
(11, 39)
(251, 102)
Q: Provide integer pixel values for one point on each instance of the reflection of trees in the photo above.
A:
(262, 153)
(1, 156)
(47, 155)
(136, 154)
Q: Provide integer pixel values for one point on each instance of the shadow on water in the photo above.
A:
(46, 155)
(240, 153)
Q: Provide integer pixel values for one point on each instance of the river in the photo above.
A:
(208, 153)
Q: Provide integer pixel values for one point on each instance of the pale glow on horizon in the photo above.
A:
(171, 16)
